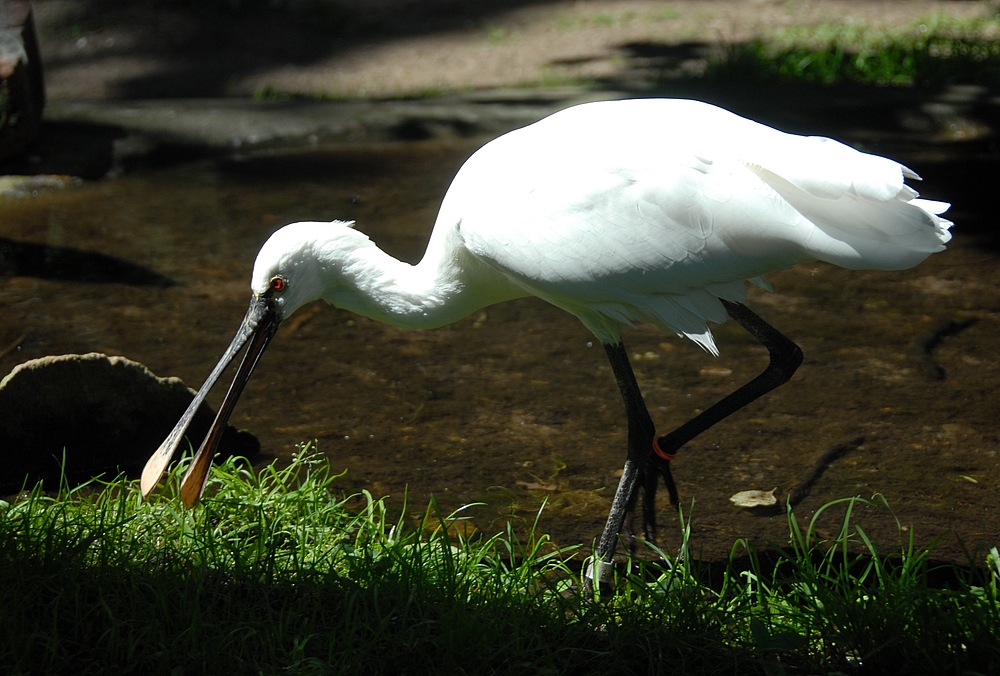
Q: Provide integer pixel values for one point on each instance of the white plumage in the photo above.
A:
(618, 212)
(627, 211)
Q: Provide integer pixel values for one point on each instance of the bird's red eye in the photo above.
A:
(277, 284)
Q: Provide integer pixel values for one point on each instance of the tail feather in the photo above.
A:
(858, 232)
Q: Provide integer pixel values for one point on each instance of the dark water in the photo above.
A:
(518, 404)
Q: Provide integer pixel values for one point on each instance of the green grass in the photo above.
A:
(936, 50)
(273, 574)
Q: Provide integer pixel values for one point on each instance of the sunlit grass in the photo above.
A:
(934, 50)
(272, 573)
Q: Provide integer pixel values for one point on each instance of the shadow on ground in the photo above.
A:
(202, 47)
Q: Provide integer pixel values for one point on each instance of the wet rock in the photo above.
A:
(106, 414)
(22, 88)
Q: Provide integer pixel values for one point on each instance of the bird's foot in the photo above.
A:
(656, 467)
(602, 573)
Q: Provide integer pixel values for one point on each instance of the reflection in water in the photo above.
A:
(517, 405)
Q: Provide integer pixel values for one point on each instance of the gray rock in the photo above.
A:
(106, 414)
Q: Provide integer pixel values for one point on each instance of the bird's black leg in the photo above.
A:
(640, 446)
(643, 464)
(785, 358)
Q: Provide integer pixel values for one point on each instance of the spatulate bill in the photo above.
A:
(262, 313)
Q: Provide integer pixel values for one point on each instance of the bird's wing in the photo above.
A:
(652, 210)
(638, 243)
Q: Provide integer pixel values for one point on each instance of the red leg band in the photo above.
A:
(660, 452)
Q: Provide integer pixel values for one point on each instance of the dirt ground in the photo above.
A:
(98, 49)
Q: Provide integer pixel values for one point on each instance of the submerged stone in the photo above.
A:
(103, 414)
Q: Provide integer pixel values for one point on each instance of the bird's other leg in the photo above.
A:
(785, 358)
(640, 447)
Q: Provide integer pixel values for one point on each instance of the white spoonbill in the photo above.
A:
(655, 210)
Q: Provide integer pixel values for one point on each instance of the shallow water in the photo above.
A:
(517, 404)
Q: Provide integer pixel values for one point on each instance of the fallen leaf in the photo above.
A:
(754, 498)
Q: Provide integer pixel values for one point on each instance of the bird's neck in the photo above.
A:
(447, 285)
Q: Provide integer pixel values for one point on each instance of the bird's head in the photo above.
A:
(302, 262)
(299, 263)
